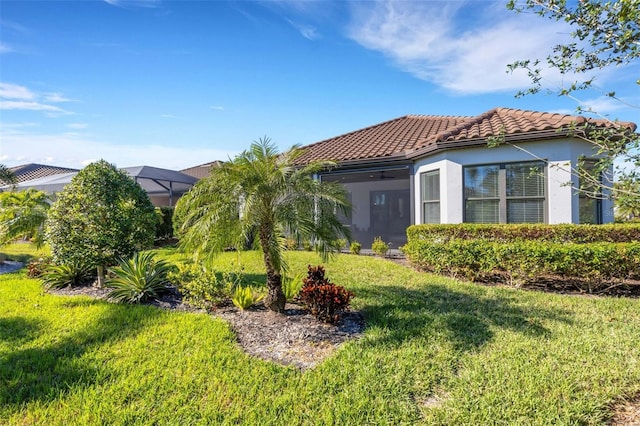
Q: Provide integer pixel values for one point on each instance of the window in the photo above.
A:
(505, 193)
(482, 194)
(589, 197)
(430, 185)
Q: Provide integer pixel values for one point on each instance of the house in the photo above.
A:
(439, 169)
(163, 186)
(32, 171)
(202, 170)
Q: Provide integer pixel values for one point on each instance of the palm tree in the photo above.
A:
(6, 175)
(23, 214)
(261, 192)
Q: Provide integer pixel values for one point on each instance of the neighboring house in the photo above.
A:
(438, 169)
(163, 186)
(32, 171)
(202, 170)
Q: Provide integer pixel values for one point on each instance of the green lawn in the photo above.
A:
(435, 351)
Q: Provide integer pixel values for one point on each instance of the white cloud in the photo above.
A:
(30, 106)
(168, 116)
(438, 42)
(307, 31)
(13, 27)
(77, 126)
(217, 107)
(17, 126)
(600, 107)
(17, 97)
(75, 150)
(14, 91)
(603, 105)
(56, 98)
(5, 48)
(135, 3)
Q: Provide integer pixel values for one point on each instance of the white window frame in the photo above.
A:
(433, 201)
(501, 197)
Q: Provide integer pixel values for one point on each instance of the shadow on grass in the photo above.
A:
(43, 373)
(251, 280)
(17, 330)
(465, 319)
(23, 258)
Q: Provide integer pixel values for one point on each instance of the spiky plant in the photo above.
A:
(291, 286)
(66, 275)
(138, 279)
(245, 297)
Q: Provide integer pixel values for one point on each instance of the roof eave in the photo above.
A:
(389, 159)
(475, 142)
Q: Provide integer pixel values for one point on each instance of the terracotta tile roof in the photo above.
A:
(202, 170)
(513, 121)
(386, 139)
(32, 171)
(414, 135)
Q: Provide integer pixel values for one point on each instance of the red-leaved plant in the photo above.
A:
(325, 300)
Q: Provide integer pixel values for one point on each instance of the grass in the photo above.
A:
(435, 351)
(23, 252)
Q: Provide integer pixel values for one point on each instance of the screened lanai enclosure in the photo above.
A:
(381, 200)
(164, 187)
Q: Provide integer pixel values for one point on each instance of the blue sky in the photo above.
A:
(179, 83)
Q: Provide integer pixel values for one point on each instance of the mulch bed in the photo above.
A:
(295, 338)
(626, 413)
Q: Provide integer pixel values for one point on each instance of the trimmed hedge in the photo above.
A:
(511, 254)
(524, 262)
(615, 233)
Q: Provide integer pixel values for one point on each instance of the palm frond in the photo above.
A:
(263, 192)
(6, 175)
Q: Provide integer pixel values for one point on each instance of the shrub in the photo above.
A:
(615, 233)
(138, 279)
(200, 286)
(307, 245)
(342, 243)
(164, 225)
(101, 216)
(65, 275)
(592, 266)
(36, 268)
(245, 297)
(379, 247)
(323, 299)
(291, 244)
(355, 247)
(291, 286)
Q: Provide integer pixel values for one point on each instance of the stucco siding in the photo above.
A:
(560, 155)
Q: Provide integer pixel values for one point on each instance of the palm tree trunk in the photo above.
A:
(100, 276)
(274, 300)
